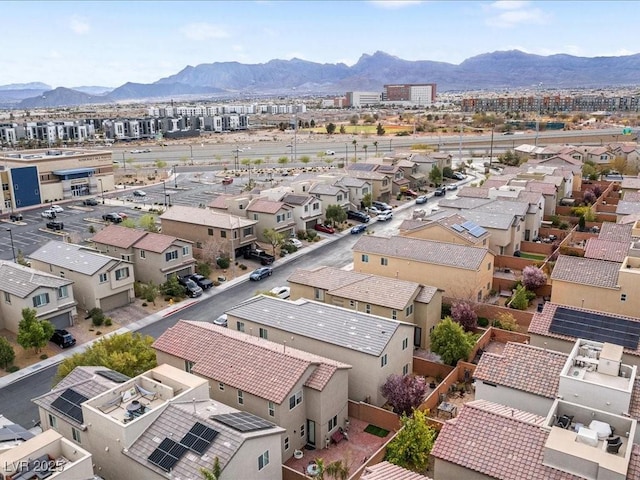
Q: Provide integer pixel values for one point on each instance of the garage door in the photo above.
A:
(61, 321)
(181, 273)
(114, 301)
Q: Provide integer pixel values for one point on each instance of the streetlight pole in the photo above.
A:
(389, 145)
(346, 154)
(101, 190)
(191, 153)
(164, 188)
(175, 175)
(13, 250)
(124, 162)
(491, 148)
(295, 133)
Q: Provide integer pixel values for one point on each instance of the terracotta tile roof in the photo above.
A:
(263, 205)
(117, 236)
(426, 251)
(496, 182)
(254, 365)
(474, 192)
(633, 471)
(615, 232)
(205, 217)
(541, 322)
(518, 367)
(326, 278)
(606, 250)
(496, 444)
(156, 242)
(389, 471)
(586, 271)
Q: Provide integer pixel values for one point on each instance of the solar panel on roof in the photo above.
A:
(477, 232)
(114, 376)
(596, 327)
(457, 228)
(243, 421)
(199, 438)
(167, 454)
(69, 404)
(14, 432)
(468, 225)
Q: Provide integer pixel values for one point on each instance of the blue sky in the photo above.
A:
(109, 43)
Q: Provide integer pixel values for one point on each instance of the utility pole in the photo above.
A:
(491, 148)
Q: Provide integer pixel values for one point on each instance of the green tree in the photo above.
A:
(214, 472)
(7, 354)
(447, 172)
(160, 163)
(275, 239)
(338, 470)
(257, 162)
(129, 223)
(246, 162)
(343, 130)
(283, 161)
(203, 268)
(365, 148)
(412, 445)
(336, 214)
(435, 175)
(380, 130)
(150, 292)
(520, 299)
(172, 287)
(148, 223)
(129, 353)
(305, 159)
(21, 260)
(367, 200)
(449, 340)
(353, 120)
(375, 144)
(331, 128)
(34, 333)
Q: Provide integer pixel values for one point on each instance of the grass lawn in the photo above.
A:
(532, 256)
(377, 431)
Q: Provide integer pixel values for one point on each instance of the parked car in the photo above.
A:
(459, 175)
(295, 242)
(221, 320)
(408, 192)
(193, 290)
(112, 217)
(384, 216)
(55, 225)
(139, 193)
(203, 282)
(321, 227)
(260, 273)
(356, 215)
(63, 339)
(381, 205)
(421, 199)
(15, 217)
(56, 208)
(330, 152)
(92, 202)
(48, 213)
(227, 181)
(358, 229)
(440, 192)
(453, 186)
(281, 292)
(135, 151)
(378, 211)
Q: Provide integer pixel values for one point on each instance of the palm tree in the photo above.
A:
(355, 145)
(375, 144)
(365, 147)
(320, 469)
(338, 470)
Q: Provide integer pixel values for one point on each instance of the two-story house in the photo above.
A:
(271, 215)
(386, 297)
(210, 230)
(375, 347)
(381, 184)
(331, 195)
(155, 256)
(450, 227)
(307, 210)
(24, 287)
(358, 189)
(462, 271)
(309, 399)
(99, 281)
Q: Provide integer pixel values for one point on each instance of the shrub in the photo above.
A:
(216, 283)
(108, 322)
(555, 220)
(138, 289)
(483, 322)
(520, 300)
(301, 234)
(44, 356)
(243, 266)
(506, 321)
(223, 262)
(312, 235)
(533, 277)
(445, 310)
(144, 304)
(98, 332)
(13, 369)
(203, 268)
(97, 316)
(563, 226)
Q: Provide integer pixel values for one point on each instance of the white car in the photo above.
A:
(295, 242)
(377, 211)
(384, 216)
(281, 292)
(48, 213)
(330, 152)
(56, 208)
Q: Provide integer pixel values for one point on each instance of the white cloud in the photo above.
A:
(54, 54)
(395, 4)
(509, 14)
(509, 5)
(79, 25)
(203, 31)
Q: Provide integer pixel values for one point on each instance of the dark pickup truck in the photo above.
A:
(256, 254)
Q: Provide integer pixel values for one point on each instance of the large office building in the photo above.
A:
(420, 94)
(362, 99)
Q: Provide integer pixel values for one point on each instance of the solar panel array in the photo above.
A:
(114, 376)
(243, 421)
(199, 438)
(167, 454)
(457, 228)
(596, 327)
(473, 228)
(69, 404)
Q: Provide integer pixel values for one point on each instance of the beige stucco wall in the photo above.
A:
(438, 233)
(11, 313)
(511, 397)
(427, 316)
(270, 221)
(456, 282)
(443, 470)
(598, 298)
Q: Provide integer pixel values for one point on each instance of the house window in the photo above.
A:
(255, 216)
(210, 232)
(352, 303)
(405, 343)
(623, 297)
(286, 443)
(247, 232)
(240, 326)
(40, 300)
(318, 294)
(172, 255)
(185, 251)
(295, 400)
(367, 308)
(122, 273)
(76, 435)
(365, 258)
(272, 409)
(103, 278)
(333, 423)
(316, 206)
(405, 369)
(302, 432)
(7, 297)
(63, 292)
(263, 333)
(240, 397)
(143, 254)
(198, 244)
(394, 314)
(339, 198)
(188, 366)
(384, 261)
(306, 208)
(223, 234)
(408, 311)
(263, 460)
(383, 360)
(489, 266)
(480, 296)
(53, 422)
(221, 386)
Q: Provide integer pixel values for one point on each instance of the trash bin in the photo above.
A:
(540, 306)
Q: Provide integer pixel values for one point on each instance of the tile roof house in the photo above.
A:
(609, 250)
(99, 281)
(375, 347)
(271, 215)
(25, 287)
(389, 471)
(629, 185)
(625, 207)
(155, 256)
(461, 271)
(281, 384)
(391, 298)
(381, 183)
(358, 189)
(331, 195)
(307, 210)
(444, 227)
(210, 231)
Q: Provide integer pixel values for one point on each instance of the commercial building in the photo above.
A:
(420, 94)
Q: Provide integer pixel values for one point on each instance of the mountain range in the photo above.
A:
(490, 71)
